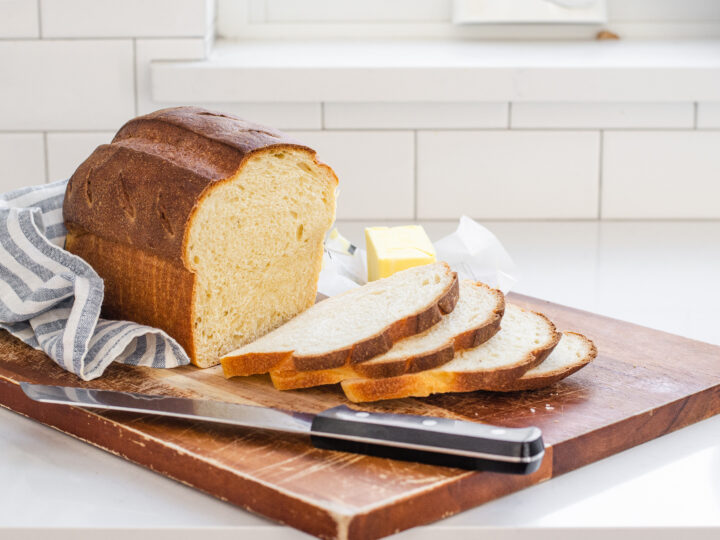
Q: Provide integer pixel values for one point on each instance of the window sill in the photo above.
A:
(437, 71)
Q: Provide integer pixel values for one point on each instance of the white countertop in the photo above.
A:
(660, 274)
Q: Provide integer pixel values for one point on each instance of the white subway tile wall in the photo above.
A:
(22, 160)
(654, 174)
(375, 168)
(110, 18)
(19, 19)
(65, 151)
(415, 115)
(602, 115)
(76, 70)
(66, 85)
(507, 174)
(708, 115)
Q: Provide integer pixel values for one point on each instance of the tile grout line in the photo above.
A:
(40, 33)
(504, 129)
(39, 130)
(45, 154)
(415, 175)
(399, 129)
(135, 76)
(601, 149)
(539, 220)
(96, 38)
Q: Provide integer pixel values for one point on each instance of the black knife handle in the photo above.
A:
(425, 439)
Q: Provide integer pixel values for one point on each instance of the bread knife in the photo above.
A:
(425, 439)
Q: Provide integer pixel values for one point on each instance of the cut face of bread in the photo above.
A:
(574, 351)
(255, 245)
(352, 327)
(475, 319)
(525, 340)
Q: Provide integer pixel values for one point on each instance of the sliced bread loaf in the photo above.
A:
(573, 352)
(525, 339)
(352, 327)
(202, 224)
(475, 319)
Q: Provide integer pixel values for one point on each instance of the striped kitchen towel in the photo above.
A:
(51, 299)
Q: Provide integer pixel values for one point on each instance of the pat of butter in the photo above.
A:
(391, 249)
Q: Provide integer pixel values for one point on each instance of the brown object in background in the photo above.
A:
(606, 34)
(634, 391)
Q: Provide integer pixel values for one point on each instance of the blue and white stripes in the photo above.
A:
(51, 299)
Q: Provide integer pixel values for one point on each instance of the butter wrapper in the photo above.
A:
(472, 251)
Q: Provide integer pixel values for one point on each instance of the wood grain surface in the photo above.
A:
(643, 384)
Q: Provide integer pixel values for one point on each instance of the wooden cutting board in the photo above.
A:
(643, 384)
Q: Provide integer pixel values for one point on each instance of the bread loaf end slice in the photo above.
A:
(475, 319)
(525, 339)
(353, 327)
(573, 352)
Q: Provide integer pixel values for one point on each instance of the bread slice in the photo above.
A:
(525, 339)
(574, 351)
(202, 224)
(354, 326)
(475, 319)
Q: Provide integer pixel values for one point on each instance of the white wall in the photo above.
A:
(72, 71)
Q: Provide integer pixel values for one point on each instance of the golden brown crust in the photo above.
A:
(527, 382)
(139, 286)
(292, 380)
(438, 381)
(256, 363)
(483, 331)
(250, 363)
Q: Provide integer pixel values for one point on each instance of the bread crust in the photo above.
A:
(139, 286)
(483, 331)
(527, 382)
(431, 382)
(255, 363)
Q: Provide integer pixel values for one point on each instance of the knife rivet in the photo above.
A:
(362, 414)
(429, 422)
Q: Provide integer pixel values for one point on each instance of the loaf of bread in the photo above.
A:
(202, 224)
